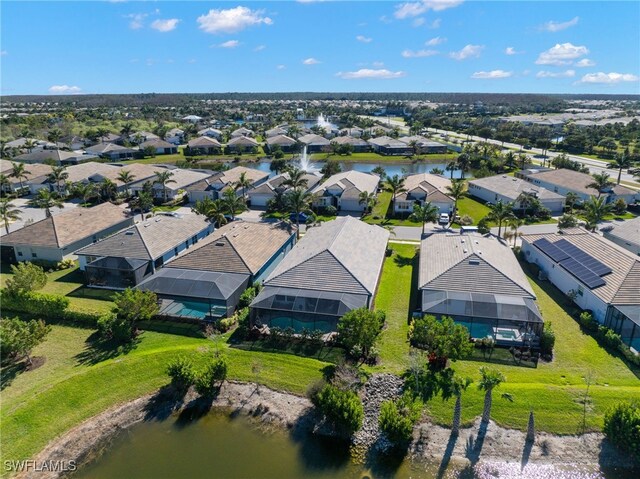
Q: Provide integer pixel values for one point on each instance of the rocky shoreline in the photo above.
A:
(477, 446)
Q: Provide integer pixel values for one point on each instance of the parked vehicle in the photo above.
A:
(444, 219)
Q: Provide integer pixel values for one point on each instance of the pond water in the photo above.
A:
(390, 168)
(218, 446)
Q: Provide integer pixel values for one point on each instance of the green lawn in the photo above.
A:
(70, 283)
(77, 382)
(474, 208)
(554, 390)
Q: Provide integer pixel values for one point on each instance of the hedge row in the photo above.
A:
(52, 307)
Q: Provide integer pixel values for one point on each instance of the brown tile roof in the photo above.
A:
(575, 181)
(238, 247)
(66, 228)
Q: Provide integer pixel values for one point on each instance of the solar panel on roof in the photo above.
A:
(583, 258)
(548, 248)
(582, 273)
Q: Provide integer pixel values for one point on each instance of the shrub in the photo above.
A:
(19, 337)
(587, 322)
(343, 408)
(181, 372)
(358, 330)
(547, 340)
(38, 304)
(65, 264)
(619, 207)
(398, 417)
(442, 339)
(135, 305)
(567, 221)
(622, 427)
(26, 277)
(214, 370)
(483, 226)
(466, 220)
(111, 326)
(247, 296)
(609, 337)
(225, 324)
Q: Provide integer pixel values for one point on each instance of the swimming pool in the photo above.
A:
(193, 309)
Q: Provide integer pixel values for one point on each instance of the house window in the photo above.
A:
(175, 251)
(580, 291)
(19, 253)
(34, 255)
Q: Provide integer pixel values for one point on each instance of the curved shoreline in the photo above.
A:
(432, 444)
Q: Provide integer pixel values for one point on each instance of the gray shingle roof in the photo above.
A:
(343, 255)
(347, 180)
(628, 231)
(471, 263)
(512, 187)
(575, 181)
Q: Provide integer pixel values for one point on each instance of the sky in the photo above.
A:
(330, 46)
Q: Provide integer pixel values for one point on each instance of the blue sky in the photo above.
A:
(424, 46)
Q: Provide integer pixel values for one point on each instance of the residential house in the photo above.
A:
(112, 151)
(192, 119)
(260, 195)
(388, 146)
(562, 181)
(509, 189)
(180, 181)
(422, 188)
(35, 174)
(206, 282)
(211, 133)
(358, 145)
(278, 130)
(160, 147)
(175, 136)
(626, 234)
(342, 190)
(285, 143)
(203, 145)
(598, 275)
(29, 145)
(213, 186)
(242, 131)
(60, 236)
(59, 157)
(141, 136)
(478, 282)
(355, 132)
(315, 143)
(242, 143)
(424, 145)
(124, 259)
(332, 270)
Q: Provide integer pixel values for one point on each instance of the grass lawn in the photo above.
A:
(380, 210)
(472, 207)
(554, 390)
(70, 283)
(77, 382)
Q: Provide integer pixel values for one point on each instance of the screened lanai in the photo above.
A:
(117, 272)
(509, 320)
(303, 309)
(196, 294)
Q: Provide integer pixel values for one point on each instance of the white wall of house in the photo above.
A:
(260, 199)
(555, 205)
(403, 207)
(350, 204)
(565, 282)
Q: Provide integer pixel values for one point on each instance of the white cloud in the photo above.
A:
(609, 78)
(585, 62)
(259, 48)
(3, 53)
(281, 67)
(232, 20)
(493, 74)
(363, 39)
(136, 20)
(64, 90)
(165, 25)
(469, 51)
(367, 73)
(559, 26)
(418, 22)
(435, 41)
(561, 54)
(435, 24)
(565, 74)
(511, 51)
(229, 44)
(419, 53)
(311, 61)
(415, 9)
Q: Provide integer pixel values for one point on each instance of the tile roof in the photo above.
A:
(149, 239)
(242, 141)
(237, 247)
(512, 187)
(269, 186)
(35, 170)
(103, 148)
(628, 231)
(471, 263)
(156, 143)
(349, 180)
(349, 140)
(42, 155)
(575, 181)
(622, 285)
(204, 141)
(68, 227)
(6, 166)
(84, 171)
(313, 139)
(343, 255)
(281, 140)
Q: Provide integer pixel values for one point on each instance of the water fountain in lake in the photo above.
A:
(323, 123)
(305, 164)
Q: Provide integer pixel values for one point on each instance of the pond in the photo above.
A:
(218, 446)
(390, 168)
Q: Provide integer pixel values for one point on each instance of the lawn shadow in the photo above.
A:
(97, 350)
(164, 403)
(414, 294)
(10, 372)
(402, 261)
(473, 447)
(526, 453)
(446, 457)
(73, 276)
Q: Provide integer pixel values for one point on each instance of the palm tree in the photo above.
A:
(451, 167)
(126, 130)
(456, 191)
(233, 203)
(380, 171)
(368, 200)
(501, 212)
(46, 200)
(395, 184)
(108, 189)
(426, 213)
(29, 145)
(526, 200)
(58, 175)
(126, 177)
(86, 191)
(296, 179)
(595, 209)
(601, 182)
(102, 133)
(243, 182)
(294, 132)
(436, 171)
(489, 380)
(142, 202)
(514, 225)
(570, 200)
(297, 202)
(510, 160)
(19, 172)
(54, 135)
(8, 212)
(163, 178)
(330, 168)
(5, 184)
(620, 162)
(212, 209)
(464, 163)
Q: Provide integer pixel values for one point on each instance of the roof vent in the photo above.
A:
(158, 220)
(464, 251)
(479, 252)
(128, 233)
(146, 224)
(219, 243)
(463, 240)
(477, 242)
(474, 261)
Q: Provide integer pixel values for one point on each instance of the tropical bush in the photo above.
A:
(622, 427)
(442, 339)
(466, 220)
(343, 408)
(182, 373)
(247, 296)
(26, 277)
(358, 330)
(398, 417)
(547, 340)
(214, 371)
(19, 337)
